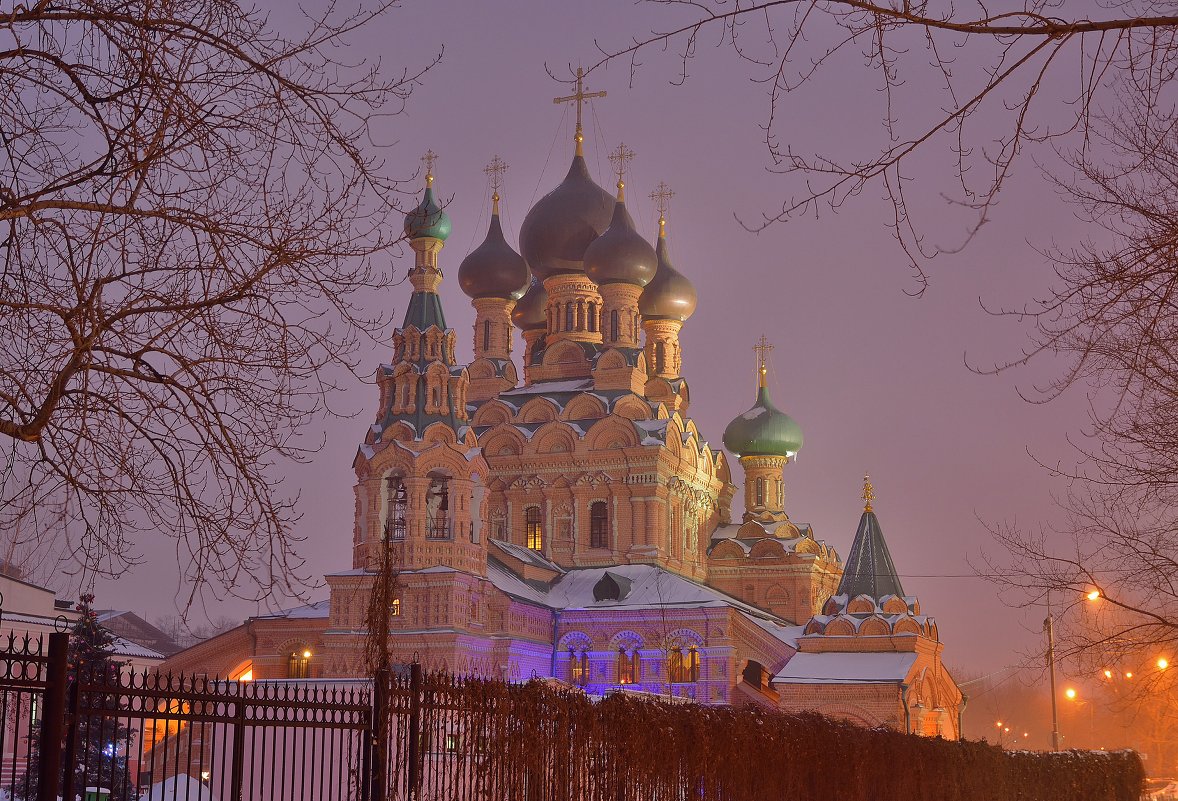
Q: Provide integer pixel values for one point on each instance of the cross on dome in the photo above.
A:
(494, 172)
(429, 159)
(579, 97)
(662, 201)
(621, 158)
(762, 349)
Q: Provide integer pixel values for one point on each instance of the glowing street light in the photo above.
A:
(306, 654)
(1108, 674)
(1163, 663)
(1128, 674)
(1070, 693)
(1092, 596)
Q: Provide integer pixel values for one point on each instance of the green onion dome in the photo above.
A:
(763, 430)
(532, 310)
(563, 223)
(428, 219)
(494, 269)
(620, 255)
(669, 295)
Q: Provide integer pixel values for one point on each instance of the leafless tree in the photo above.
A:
(192, 210)
(1024, 73)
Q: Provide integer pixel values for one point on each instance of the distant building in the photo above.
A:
(577, 525)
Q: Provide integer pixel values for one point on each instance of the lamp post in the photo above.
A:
(1047, 624)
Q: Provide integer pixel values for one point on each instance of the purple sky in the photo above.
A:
(876, 379)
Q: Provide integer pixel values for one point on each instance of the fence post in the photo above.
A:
(414, 755)
(377, 752)
(53, 718)
(237, 767)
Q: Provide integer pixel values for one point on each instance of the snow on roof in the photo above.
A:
(527, 555)
(572, 385)
(124, 647)
(319, 609)
(846, 668)
(649, 587)
(507, 582)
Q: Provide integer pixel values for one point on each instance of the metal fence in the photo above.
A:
(410, 736)
(175, 738)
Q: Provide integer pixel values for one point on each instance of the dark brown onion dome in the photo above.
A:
(620, 255)
(494, 269)
(563, 223)
(531, 312)
(669, 295)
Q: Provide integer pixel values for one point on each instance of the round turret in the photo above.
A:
(669, 295)
(494, 269)
(428, 219)
(620, 255)
(763, 430)
(563, 223)
(531, 312)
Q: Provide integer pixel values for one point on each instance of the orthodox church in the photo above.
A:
(575, 524)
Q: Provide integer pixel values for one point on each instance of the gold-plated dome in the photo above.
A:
(563, 223)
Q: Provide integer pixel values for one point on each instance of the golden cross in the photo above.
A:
(579, 97)
(762, 348)
(621, 158)
(495, 171)
(868, 493)
(429, 158)
(662, 201)
(662, 197)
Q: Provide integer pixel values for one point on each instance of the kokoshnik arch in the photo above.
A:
(576, 525)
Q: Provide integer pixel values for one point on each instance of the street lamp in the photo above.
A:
(1163, 663)
(1070, 692)
(1092, 596)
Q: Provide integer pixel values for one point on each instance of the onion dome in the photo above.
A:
(620, 255)
(669, 295)
(532, 310)
(563, 223)
(494, 269)
(763, 430)
(428, 219)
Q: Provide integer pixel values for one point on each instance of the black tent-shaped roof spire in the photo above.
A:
(869, 569)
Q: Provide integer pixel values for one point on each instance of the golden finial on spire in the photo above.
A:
(662, 201)
(621, 158)
(495, 171)
(762, 348)
(868, 493)
(579, 97)
(429, 158)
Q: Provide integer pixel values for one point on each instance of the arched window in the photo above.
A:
(599, 524)
(628, 667)
(780, 494)
(579, 667)
(580, 315)
(568, 317)
(436, 394)
(592, 317)
(551, 320)
(760, 492)
(683, 666)
(535, 528)
(298, 665)
(486, 334)
(405, 395)
(673, 536)
(437, 501)
(660, 357)
(613, 325)
(398, 500)
(421, 353)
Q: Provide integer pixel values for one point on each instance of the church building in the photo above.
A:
(573, 522)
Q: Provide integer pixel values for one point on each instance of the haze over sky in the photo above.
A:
(876, 378)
